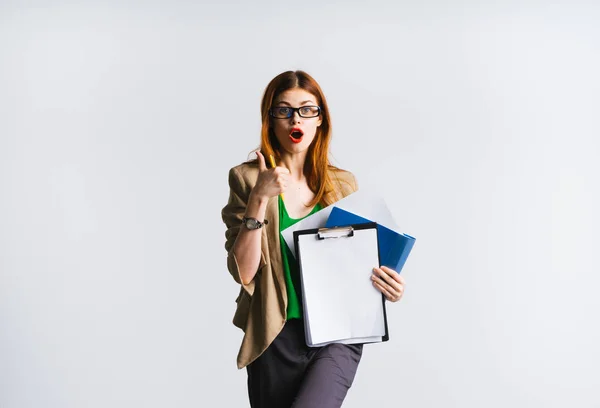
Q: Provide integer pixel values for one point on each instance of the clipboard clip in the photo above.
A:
(335, 232)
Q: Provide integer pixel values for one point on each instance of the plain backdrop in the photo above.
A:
(477, 121)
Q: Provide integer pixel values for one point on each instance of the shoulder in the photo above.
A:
(343, 176)
(246, 168)
(343, 182)
(244, 174)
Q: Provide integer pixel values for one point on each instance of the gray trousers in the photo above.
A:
(291, 374)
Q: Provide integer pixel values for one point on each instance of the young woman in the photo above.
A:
(263, 201)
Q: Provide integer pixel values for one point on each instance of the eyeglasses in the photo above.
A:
(285, 112)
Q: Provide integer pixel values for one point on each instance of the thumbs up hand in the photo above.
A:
(270, 182)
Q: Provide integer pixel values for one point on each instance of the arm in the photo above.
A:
(247, 246)
(243, 246)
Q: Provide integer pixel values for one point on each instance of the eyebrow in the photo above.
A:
(301, 103)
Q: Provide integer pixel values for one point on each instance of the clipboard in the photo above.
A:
(340, 303)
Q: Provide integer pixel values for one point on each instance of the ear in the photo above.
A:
(320, 121)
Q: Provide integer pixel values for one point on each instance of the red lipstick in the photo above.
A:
(296, 135)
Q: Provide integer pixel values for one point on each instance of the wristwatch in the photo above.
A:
(253, 223)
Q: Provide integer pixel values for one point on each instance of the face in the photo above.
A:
(295, 134)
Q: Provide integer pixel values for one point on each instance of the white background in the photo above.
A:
(119, 121)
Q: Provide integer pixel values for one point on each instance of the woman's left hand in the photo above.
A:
(389, 282)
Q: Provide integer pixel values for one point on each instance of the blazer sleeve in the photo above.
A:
(232, 215)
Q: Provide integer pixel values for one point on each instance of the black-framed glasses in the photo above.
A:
(286, 112)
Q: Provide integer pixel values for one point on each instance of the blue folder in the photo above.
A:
(394, 247)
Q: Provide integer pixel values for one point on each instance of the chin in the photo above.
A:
(292, 148)
(295, 149)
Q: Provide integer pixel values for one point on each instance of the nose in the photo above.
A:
(295, 118)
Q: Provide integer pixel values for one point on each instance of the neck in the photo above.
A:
(295, 164)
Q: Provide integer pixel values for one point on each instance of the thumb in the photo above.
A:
(262, 166)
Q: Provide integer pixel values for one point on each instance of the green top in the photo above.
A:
(290, 265)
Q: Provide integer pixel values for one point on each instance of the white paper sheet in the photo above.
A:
(339, 300)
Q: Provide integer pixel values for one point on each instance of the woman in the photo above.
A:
(296, 131)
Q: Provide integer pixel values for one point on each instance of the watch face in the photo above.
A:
(251, 224)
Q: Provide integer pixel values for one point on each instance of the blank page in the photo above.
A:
(339, 299)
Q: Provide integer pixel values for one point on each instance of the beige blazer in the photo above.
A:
(262, 304)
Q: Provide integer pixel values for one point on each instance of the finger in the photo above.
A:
(261, 161)
(392, 273)
(382, 274)
(391, 286)
(389, 294)
(283, 179)
(380, 281)
(282, 170)
(385, 292)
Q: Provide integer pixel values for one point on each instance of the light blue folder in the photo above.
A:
(394, 247)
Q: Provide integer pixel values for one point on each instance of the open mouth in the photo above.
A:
(296, 135)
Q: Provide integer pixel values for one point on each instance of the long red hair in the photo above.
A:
(317, 162)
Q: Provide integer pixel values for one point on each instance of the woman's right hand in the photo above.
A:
(270, 182)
